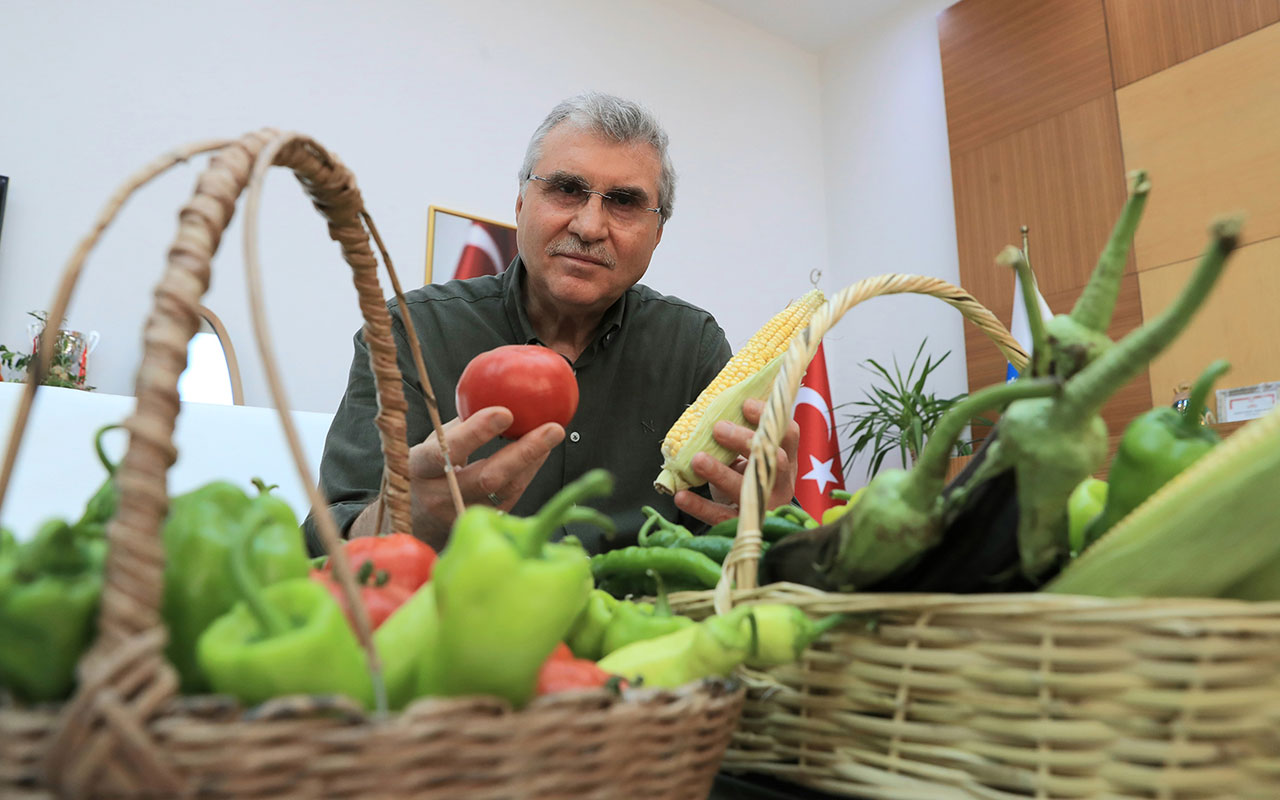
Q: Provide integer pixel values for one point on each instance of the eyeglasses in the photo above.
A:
(570, 193)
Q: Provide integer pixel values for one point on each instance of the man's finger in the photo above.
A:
(699, 507)
(508, 472)
(734, 437)
(722, 477)
(464, 436)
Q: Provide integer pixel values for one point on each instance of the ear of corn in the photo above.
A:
(1201, 534)
(750, 373)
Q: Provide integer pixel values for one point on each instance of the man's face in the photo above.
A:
(583, 259)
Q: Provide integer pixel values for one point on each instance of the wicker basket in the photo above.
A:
(960, 697)
(126, 732)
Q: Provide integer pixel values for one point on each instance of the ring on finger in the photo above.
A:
(494, 499)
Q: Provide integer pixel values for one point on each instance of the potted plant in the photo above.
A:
(899, 414)
(64, 369)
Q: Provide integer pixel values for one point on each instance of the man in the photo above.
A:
(596, 190)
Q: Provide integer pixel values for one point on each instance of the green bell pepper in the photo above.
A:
(200, 533)
(102, 506)
(50, 588)
(288, 638)
(632, 622)
(1155, 447)
(405, 643)
(507, 596)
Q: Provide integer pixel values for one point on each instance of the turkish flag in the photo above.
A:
(487, 252)
(818, 470)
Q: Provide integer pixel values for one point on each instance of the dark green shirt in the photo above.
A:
(649, 360)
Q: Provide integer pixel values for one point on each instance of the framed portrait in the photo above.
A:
(4, 191)
(461, 245)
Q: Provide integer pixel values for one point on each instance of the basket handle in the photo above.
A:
(124, 679)
(741, 566)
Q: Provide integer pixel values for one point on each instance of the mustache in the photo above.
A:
(573, 246)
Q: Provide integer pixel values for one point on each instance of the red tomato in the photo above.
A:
(408, 561)
(535, 383)
(379, 601)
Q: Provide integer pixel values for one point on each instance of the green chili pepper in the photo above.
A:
(795, 514)
(1155, 447)
(671, 534)
(633, 623)
(586, 637)
(507, 597)
(50, 588)
(1084, 505)
(288, 638)
(772, 529)
(622, 572)
(200, 533)
(712, 647)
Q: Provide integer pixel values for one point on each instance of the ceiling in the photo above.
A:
(813, 24)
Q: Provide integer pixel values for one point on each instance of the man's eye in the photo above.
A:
(624, 200)
(568, 188)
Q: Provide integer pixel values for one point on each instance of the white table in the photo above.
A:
(58, 469)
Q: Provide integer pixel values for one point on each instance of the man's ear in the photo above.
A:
(519, 203)
(658, 238)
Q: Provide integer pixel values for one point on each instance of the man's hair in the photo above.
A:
(613, 118)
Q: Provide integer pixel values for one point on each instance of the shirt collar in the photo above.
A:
(513, 303)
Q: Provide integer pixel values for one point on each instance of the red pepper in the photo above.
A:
(380, 595)
(408, 561)
(562, 672)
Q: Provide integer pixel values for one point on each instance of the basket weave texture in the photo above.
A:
(126, 733)
(996, 697)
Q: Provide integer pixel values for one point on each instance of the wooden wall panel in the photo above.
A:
(1207, 132)
(1239, 322)
(1007, 64)
(1147, 36)
(1063, 178)
(987, 365)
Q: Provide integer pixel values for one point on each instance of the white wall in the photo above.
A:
(889, 199)
(428, 103)
(785, 156)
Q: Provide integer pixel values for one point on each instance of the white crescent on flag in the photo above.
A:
(810, 397)
(480, 238)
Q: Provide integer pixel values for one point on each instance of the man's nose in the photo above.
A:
(591, 221)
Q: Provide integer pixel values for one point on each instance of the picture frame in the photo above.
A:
(461, 245)
(4, 192)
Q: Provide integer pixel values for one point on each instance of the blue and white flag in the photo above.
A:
(1020, 327)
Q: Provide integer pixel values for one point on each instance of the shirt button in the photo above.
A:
(573, 437)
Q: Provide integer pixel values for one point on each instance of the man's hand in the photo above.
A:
(504, 475)
(726, 479)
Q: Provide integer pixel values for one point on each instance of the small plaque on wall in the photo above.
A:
(1247, 402)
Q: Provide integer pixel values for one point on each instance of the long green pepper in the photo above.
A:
(710, 648)
(635, 622)
(506, 596)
